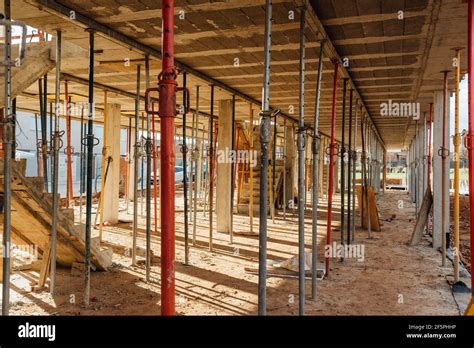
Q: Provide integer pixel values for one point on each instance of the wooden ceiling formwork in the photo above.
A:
(396, 59)
(388, 58)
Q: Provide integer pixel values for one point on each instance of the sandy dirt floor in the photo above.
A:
(393, 278)
(464, 232)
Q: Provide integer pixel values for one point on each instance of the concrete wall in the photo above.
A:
(112, 183)
(224, 167)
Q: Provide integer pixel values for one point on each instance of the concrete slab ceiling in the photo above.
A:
(389, 58)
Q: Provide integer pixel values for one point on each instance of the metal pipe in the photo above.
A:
(284, 169)
(264, 140)
(470, 136)
(444, 154)
(232, 173)
(416, 156)
(69, 189)
(251, 169)
(354, 170)
(367, 181)
(331, 162)
(206, 178)
(148, 150)
(51, 137)
(211, 169)
(423, 145)
(56, 146)
(90, 154)
(82, 172)
(129, 153)
(365, 190)
(407, 173)
(343, 172)
(413, 171)
(192, 169)
(239, 169)
(38, 162)
(416, 149)
(315, 169)
(103, 174)
(154, 155)
(13, 116)
(368, 177)
(136, 157)
(45, 111)
(306, 165)
(142, 164)
(409, 164)
(273, 198)
(185, 174)
(44, 143)
(349, 160)
(301, 167)
(429, 143)
(167, 112)
(456, 142)
(428, 174)
(7, 150)
(198, 153)
(41, 113)
(362, 170)
(384, 177)
(44, 131)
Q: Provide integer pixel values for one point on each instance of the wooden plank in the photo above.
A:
(36, 63)
(374, 214)
(45, 267)
(422, 217)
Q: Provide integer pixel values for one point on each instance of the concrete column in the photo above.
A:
(437, 175)
(290, 160)
(224, 165)
(112, 183)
